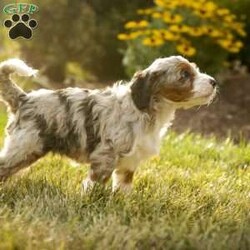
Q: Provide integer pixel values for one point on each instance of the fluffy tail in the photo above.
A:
(10, 93)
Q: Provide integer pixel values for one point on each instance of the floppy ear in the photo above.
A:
(141, 91)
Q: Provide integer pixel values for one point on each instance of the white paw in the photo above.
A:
(87, 186)
(125, 188)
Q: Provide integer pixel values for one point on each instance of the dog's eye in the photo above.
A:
(185, 74)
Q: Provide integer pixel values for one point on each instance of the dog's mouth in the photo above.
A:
(207, 98)
(212, 95)
(200, 100)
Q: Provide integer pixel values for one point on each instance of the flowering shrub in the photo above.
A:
(179, 21)
(182, 26)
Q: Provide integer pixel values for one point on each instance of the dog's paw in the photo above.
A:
(20, 26)
(87, 186)
(124, 188)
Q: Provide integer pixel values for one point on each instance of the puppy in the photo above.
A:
(112, 129)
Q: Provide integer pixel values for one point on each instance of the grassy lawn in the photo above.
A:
(196, 195)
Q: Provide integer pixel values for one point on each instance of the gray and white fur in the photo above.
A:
(113, 129)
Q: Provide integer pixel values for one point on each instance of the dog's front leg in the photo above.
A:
(122, 176)
(102, 165)
(122, 180)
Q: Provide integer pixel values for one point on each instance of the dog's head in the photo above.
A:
(175, 80)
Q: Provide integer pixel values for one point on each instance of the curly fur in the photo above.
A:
(112, 129)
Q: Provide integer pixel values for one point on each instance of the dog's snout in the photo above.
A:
(213, 82)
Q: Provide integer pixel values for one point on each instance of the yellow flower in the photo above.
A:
(241, 32)
(223, 12)
(216, 33)
(178, 28)
(225, 43)
(141, 11)
(210, 6)
(238, 44)
(145, 11)
(123, 37)
(186, 29)
(136, 34)
(168, 17)
(182, 2)
(172, 18)
(143, 24)
(131, 36)
(186, 49)
(206, 29)
(156, 32)
(156, 15)
(153, 41)
(205, 10)
(167, 35)
(203, 13)
(195, 31)
(133, 24)
(228, 36)
(167, 4)
(160, 3)
(239, 28)
(229, 19)
(212, 32)
(194, 5)
(233, 49)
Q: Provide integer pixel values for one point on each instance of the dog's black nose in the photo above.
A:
(213, 82)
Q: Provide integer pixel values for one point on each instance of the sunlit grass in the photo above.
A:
(196, 195)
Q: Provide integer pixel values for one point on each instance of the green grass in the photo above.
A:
(196, 195)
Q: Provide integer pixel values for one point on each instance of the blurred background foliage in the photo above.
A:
(76, 41)
(195, 29)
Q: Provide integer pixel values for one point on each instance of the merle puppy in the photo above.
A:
(112, 129)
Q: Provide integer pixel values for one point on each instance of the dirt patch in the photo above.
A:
(228, 115)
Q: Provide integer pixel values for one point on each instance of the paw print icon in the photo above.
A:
(20, 26)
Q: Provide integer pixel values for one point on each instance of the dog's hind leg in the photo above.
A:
(21, 149)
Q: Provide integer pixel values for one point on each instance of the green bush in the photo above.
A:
(203, 31)
(82, 33)
(241, 8)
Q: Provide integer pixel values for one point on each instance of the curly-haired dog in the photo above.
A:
(112, 129)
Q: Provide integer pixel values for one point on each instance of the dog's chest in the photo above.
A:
(147, 146)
